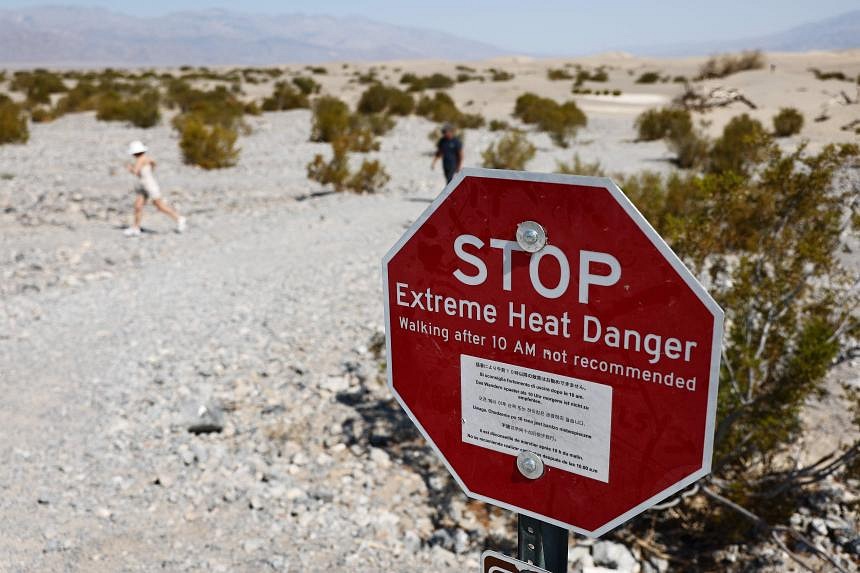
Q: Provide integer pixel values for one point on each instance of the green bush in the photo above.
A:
(379, 98)
(37, 85)
(512, 151)
(648, 78)
(335, 171)
(331, 119)
(376, 123)
(787, 122)
(560, 121)
(435, 81)
(84, 96)
(690, 148)
(286, 97)
(553, 74)
(308, 86)
(728, 64)
(824, 76)
(770, 246)
(580, 167)
(370, 178)
(317, 70)
(141, 110)
(499, 125)
(743, 143)
(13, 122)
(500, 75)
(654, 124)
(42, 114)
(442, 109)
(207, 146)
(583, 75)
(374, 99)
(217, 106)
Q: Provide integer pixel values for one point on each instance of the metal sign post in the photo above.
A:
(542, 544)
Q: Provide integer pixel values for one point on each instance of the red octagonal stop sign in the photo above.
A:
(541, 316)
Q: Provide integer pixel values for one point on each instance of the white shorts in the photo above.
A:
(148, 191)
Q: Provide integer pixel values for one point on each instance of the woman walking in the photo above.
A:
(147, 188)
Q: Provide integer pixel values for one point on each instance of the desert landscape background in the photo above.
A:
(214, 400)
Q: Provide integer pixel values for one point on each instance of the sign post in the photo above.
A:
(555, 352)
(542, 543)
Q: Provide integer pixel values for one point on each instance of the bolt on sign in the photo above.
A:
(559, 357)
(493, 562)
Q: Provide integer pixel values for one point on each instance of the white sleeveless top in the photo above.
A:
(147, 180)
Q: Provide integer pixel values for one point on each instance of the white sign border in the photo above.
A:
(668, 254)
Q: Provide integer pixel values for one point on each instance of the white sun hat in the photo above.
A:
(136, 147)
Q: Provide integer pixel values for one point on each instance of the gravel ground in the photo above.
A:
(212, 401)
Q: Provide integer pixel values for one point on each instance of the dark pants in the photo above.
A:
(450, 170)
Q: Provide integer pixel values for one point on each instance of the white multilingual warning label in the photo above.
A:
(566, 421)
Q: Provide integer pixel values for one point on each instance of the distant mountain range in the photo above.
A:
(837, 33)
(91, 36)
(64, 35)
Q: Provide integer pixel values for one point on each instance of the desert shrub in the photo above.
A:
(362, 139)
(285, 97)
(334, 172)
(13, 122)
(366, 78)
(583, 75)
(580, 167)
(370, 178)
(379, 98)
(376, 123)
(461, 78)
(141, 110)
(500, 75)
(648, 78)
(308, 86)
(561, 121)
(558, 74)
(787, 122)
(742, 144)
(512, 151)
(317, 70)
(331, 118)
(42, 114)
(654, 124)
(462, 68)
(728, 64)
(435, 81)
(441, 108)
(824, 76)
(690, 147)
(769, 245)
(207, 146)
(499, 125)
(217, 106)
(37, 85)
(251, 108)
(84, 96)
(679, 79)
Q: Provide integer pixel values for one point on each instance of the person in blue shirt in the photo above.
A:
(450, 150)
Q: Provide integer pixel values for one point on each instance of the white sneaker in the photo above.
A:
(132, 231)
(181, 224)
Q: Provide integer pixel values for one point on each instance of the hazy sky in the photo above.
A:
(539, 26)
